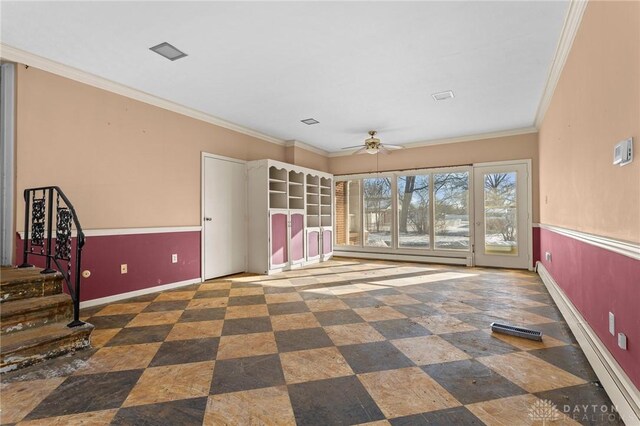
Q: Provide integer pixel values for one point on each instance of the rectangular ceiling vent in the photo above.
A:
(168, 51)
(443, 95)
(310, 121)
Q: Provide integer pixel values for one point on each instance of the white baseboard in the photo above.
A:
(404, 257)
(130, 294)
(621, 390)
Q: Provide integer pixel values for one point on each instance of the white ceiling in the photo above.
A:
(353, 66)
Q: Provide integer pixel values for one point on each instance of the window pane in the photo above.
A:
(451, 198)
(378, 212)
(413, 211)
(500, 214)
(348, 213)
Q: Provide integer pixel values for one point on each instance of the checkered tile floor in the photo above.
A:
(346, 342)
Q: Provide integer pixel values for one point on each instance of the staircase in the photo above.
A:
(34, 314)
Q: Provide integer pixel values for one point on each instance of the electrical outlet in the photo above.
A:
(612, 324)
(174, 258)
(622, 341)
(547, 256)
(123, 268)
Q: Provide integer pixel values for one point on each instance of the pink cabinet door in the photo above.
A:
(327, 241)
(297, 237)
(279, 255)
(313, 244)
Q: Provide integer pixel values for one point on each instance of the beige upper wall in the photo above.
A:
(127, 164)
(519, 147)
(595, 105)
(123, 163)
(312, 160)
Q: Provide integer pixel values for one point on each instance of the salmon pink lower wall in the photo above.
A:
(148, 259)
(599, 281)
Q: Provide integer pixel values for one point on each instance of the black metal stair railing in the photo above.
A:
(38, 216)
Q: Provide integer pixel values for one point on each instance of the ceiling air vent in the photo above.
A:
(443, 95)
(310, 121)
(168, 51)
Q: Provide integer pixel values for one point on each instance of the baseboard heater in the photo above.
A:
(516, 331)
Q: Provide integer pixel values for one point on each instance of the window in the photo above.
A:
(348, 213)
(414, 223)
(500, 213)
(451, 210)
(378, 212)
(423, 211)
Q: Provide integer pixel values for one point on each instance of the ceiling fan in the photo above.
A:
(372, 145)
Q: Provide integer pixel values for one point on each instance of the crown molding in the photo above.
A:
(468, 138)
(13, 54)
(306, 147)
(569, 31)
(568, 34)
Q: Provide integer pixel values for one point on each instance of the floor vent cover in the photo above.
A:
(516, 331)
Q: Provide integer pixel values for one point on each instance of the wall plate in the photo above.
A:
(623, 152)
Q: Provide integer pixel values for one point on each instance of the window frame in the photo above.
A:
(395, 249)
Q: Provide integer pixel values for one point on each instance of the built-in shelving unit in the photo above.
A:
(290, 216)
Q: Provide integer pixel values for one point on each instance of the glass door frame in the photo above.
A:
(478, 194)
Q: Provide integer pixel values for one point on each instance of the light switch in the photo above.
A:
(174, 258)
(547, 256)
(612, 324)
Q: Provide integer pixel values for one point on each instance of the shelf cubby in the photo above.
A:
(277, 174)
(277, 200)
(296, 177)
(313, 199)
(277, 186)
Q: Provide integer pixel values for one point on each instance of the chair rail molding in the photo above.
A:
(624, 248)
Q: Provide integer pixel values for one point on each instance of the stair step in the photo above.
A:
(24, 314)
(23, 283)
(28, 347)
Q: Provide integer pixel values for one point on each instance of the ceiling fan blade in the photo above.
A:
(383, 150)
(360, 151)
(351, 147)
(390, 147)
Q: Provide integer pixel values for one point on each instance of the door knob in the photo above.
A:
(208, 219)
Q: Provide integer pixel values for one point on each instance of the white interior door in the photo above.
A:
(224, 221)
(501, 215)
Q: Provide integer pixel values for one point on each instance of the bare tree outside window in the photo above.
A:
(451, 210)
(377, 211)
(413, 211)
(500, 212)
